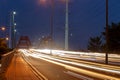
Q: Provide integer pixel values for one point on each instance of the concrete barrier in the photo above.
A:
(4, 62)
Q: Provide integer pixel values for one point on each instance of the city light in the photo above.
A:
(15, 24)
(15, 30)
(14, 12)
(43, 2)
(3, 28)
(65, 63)
(7, 38)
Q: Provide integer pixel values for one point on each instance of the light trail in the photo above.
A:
(84, 64)
(52, 60)
(96, 57)
(77, 64)
(78, 76)
(58, 52)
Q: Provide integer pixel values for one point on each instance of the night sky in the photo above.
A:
(86, 19)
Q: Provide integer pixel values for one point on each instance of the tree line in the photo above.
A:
(98, 43)
(3, 46)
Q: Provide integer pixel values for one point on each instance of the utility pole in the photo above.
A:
(51, 25)
(13, 30)
(106, 56)
(10, 33)
(66, 27)
(52, 19)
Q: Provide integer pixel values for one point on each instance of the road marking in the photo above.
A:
(35, 71)
(82, 71)
(76, 69)
(78, 75)
(84, 65)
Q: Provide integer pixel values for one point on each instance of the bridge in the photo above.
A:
(47, 61)
(40, 64)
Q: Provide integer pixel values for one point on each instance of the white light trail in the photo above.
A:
(78, 76)
(58, 62)
(60, 52)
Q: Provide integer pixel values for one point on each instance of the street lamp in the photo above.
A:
(13, 29)
(15, 24)
(66, 27)
(3, 28)
(51, 25)
(7, 38)
(52, 19)
(106, 56)
(14, 12)
(15, 37)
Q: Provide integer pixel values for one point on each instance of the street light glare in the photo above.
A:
(15, 24)
(15, 30)
(3, 28)
(14, 12)
(7, 38)
(43, 2)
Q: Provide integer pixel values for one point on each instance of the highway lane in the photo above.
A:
(84, 64)
(89, 56)
(67, 71)
(55, 72)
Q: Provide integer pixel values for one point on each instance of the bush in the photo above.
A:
(3, 49)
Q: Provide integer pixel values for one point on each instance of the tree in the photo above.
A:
(3, 42)
(95, 44)
(113, 37)
(3, 46)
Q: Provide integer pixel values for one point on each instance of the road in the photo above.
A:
(59, 68)
(89, 56)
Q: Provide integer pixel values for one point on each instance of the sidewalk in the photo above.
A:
(19, 70)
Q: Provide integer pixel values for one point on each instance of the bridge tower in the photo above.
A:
(24, 42)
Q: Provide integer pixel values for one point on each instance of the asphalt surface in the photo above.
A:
(57, 69)
(48, 67)
(19, 70)
(55, 72)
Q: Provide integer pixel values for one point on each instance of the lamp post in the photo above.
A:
(106, 55)
(13, 29)
(51, 25)
(66, 27)
(52, 19)
(15, 35)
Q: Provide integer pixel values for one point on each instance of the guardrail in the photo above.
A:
(4, 63)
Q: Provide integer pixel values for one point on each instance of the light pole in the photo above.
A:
(106, 56)
(66, 27)
(51, 25)
(51, 22)
(13, 29)
(52, 19)
(15, 35)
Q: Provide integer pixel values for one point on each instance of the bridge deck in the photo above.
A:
(19, 70)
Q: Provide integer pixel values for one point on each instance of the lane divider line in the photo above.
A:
(78, 75)
(35, 71)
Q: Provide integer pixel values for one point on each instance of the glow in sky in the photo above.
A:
(46, 2)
